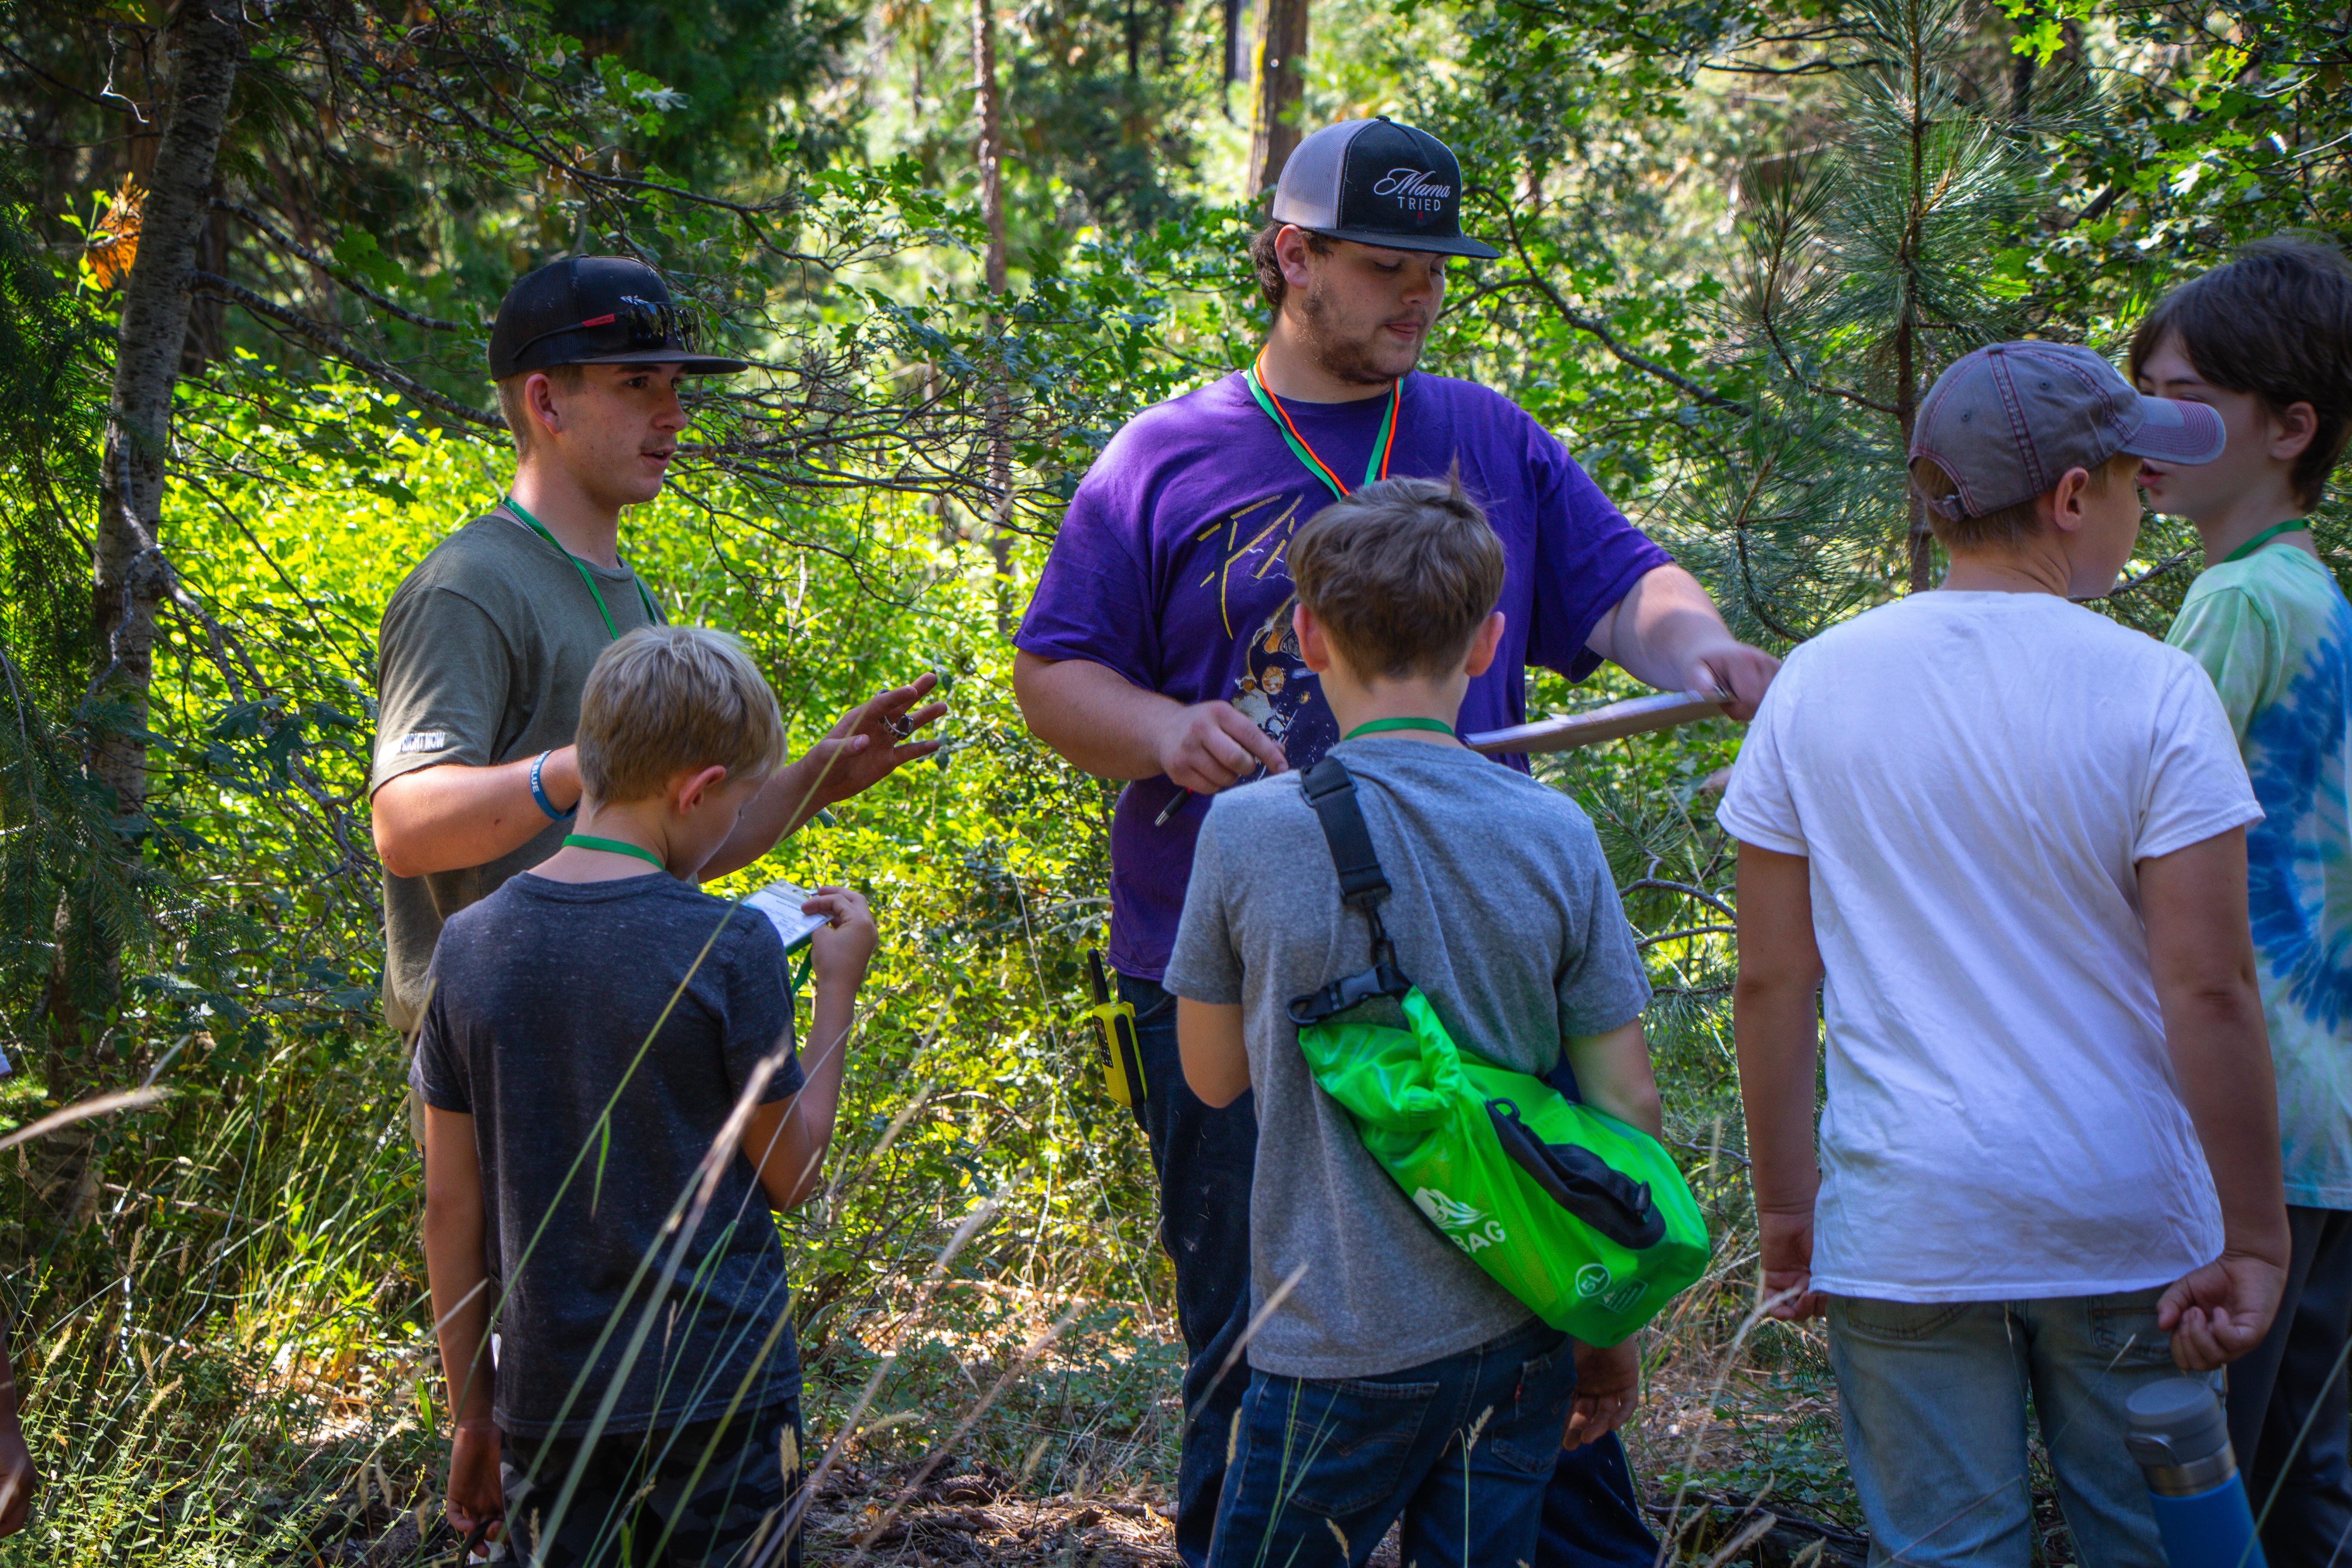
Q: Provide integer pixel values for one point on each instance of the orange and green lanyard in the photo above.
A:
(1375, 467)
(582, 567)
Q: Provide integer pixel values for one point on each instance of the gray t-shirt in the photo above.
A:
(544, 997)
(481, 658)
(1504, 913)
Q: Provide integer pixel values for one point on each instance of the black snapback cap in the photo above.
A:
(596, 309)
(1378, 183)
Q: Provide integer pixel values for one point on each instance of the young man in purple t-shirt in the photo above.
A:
(1159, 648)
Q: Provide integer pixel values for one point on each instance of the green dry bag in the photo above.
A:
(1583, 1219)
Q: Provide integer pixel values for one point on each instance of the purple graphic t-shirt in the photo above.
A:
(1170, 569)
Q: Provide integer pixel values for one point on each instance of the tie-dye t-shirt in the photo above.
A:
(2275, 634)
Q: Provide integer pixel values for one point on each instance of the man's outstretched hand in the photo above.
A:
(1736, 668)
(2221, 1312)
(874, 740)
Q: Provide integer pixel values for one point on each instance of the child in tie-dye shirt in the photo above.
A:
(2267, 340)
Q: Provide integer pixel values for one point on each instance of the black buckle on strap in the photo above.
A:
(1382, 979)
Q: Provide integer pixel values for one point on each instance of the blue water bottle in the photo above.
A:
(2177, 1431)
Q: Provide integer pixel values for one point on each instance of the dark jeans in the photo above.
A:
(705, 1495)
(1591, 1515)
(1460, 1448)
(2294, 1377)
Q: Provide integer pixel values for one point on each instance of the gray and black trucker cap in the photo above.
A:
(1377, 182)
(595, 310)
(2008, 421)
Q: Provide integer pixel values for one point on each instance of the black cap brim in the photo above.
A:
(693, 365)
(1458, 244)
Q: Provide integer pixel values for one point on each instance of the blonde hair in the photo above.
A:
(664, 700)
(1402, 573)
(2004, 525)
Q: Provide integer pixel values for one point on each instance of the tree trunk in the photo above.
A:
(130, 578)
(990, 157)
(1278, 79)
(1919, 538)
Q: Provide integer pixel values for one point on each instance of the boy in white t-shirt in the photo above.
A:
(2011, 834)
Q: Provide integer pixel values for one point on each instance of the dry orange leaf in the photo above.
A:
(116, 244)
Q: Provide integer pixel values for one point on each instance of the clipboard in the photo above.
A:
(780, 903)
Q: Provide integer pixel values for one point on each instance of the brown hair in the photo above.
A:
(2275, 322)
(1402, 573)
(570, 377)
(667, 698)
(2004, 525)
(1268, 266)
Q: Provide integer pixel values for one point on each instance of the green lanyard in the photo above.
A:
(582, 567)
(615, 847)
(1375, 467)
(1434, 726)
(2264, 537)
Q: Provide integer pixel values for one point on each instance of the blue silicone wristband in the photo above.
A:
(540, 794)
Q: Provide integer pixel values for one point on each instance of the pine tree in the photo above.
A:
(1870, 265)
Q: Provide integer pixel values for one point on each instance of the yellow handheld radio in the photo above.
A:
(1115, 1030)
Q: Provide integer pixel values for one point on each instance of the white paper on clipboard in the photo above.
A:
(1634, 716)
(780, 903)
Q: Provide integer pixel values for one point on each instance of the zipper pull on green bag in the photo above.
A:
(1585, 1219)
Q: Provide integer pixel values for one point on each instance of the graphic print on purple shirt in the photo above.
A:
(1170, 568)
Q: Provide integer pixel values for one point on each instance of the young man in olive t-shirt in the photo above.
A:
(485, 647)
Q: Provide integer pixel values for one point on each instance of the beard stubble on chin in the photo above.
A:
(1345, 357)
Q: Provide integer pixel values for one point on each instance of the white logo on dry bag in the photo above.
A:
(1469, 1228)
(1592, 1279)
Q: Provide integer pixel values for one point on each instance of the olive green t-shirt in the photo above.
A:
(480, 661)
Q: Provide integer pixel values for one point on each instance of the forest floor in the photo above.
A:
(1737, 1469)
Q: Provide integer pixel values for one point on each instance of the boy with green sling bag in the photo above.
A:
(1391, 1376)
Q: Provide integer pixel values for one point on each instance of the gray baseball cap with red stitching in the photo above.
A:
(2007, 421)
(1377, 182)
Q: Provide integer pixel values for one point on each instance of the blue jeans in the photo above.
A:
(1461, 1447)
(1933, 1397)
(2288, 1406)
(1203, 1159)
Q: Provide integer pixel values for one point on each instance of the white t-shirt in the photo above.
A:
(1973, 777)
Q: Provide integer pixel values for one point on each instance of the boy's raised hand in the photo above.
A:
(2221, 1312)
(843, 946)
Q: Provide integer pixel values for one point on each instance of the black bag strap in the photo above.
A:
(1330, 789)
